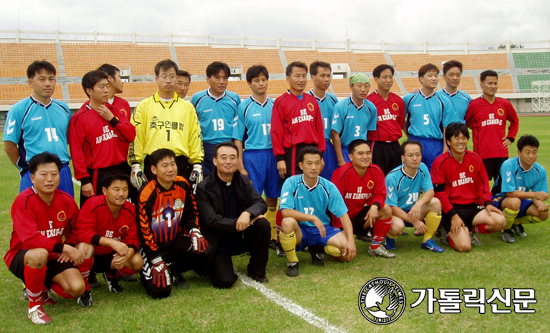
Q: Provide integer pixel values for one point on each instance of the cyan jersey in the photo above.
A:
(326, 104)
(428, 115)
(36, 128)
(460, 101)
(352, 121)
(404, 190)
(319, 200)
(216, 115)
(514, 177)
(253, 124)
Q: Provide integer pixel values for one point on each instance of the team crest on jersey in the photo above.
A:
(395, 107)
(124, 229)
(178, 204)
(61, 216)
(471, 168)
(310, 107)
(500, 112)
(370, 184)
(123, 112)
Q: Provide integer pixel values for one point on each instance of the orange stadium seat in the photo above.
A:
(467, 85)
(331, 57)
(412, 62)
(137, 91)
(13, 93)
(15, 58)
(366, 62)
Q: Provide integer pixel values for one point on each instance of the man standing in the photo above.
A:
(164, 120)
(428, 115)
(170, 239)
(38, 124)
(231, 214)
(296, 122)
(182, 85)
(487, 116)
(216, 108)
(116, 86)
(321, 75)
(390, 120)
(452, 73)
(461, 185)
(521, 189)
(353, 117)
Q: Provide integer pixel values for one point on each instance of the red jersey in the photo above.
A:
(390, 119)
(37, 225)
(97, 143)
(359, 191)
(460, 183)
(488, 124)
(121, 105)
(295, 121)
(96, 220)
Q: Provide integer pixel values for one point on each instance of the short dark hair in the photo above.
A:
(255, 71)
(486, 73)
(225, 144)
(293, 64)
(183, 73)
(450, 64)
(380, 68)
(426, 68)
(165, 65)
(216, 67)
(90, 79)
(314, 67)
(355, 143)
(112, 177)
(44, 158)
(109, 69)
(309, 150)
(409, 142)
(527, 140)
(37, 66)
(160, 154)
(455, 129)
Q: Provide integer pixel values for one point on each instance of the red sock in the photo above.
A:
(58, 290)
(85, 270)
(34, 280)
(451, 243)
(124, 272)
(379, 231)
(278, 222)
(480, 229)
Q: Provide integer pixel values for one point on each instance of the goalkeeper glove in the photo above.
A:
(137, 177)
(196, 174)
(160, 273)
(199, 242)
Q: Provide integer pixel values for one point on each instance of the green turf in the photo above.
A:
(329, 292)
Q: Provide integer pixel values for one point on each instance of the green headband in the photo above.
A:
(359, 78)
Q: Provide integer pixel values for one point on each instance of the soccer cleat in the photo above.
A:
(273, 244)
(367, 239)
(128, 278)
(390, 243)
(507, 236)
(25, 294)
(316, 258)
(113, 284)
(179, 281)
(443, 236)
(92, 281)
(475, 241)
(432, 246)
(38, 316)
(292, 270)
(518, 229)
(85, 300)
(257, 278)
(280, 251)
(381, 252)
(404, 233)
(46, 298)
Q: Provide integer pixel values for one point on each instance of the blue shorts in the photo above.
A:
(525, 204)
(65, 180)
(207, 162)
(261, 166)
(331, 162)
(311, 236)
(345, 153)
(431, 149)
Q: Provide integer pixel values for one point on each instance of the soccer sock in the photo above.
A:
(379, 231)
(85, 269)
(288, 243)
(432, 223)
(510, 216)
(480, 229)
(391, 236)
(333, 251)
(58, 290)
(527, 219)
(34, 279)
(271, 216)
(124, 271)
(278, 222)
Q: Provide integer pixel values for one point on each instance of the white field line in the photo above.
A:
(289, 305)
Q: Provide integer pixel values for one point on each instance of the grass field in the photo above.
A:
(330, 292)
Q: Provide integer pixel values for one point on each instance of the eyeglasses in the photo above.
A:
(171, 77)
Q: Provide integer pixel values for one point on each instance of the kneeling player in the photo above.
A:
(461, 184)
(405, 184)
(521, 189)
(41, 216)
(107, 226)
(362, 185)
(305, 201)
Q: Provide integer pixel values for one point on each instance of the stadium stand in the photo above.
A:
(467, 84)
(525, 80)
(412, 62)
(13, 93)
(332, 57)
(15, 58)
(532, 60)
(366, 62)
